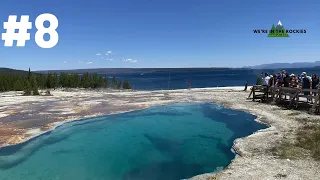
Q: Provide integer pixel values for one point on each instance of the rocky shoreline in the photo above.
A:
(24, 117)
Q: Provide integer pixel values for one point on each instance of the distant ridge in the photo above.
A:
(128, 70)
(286, 65)
(12, 71)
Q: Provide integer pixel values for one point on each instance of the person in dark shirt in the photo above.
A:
(271, 81)
(315, 82)
(275, 80)
(286, 80)
(279, 80)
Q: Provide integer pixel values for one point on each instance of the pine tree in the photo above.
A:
(75, 81)
(114, 82)
(34, 85)
(119, 83)
(41, 80)
(29, 74)
(126, 84)
(259, 81)
(35, 91)
(31, 82)
(94, 80)
(63, 80)
(85, 81)
(106, 81)
(49, 81)
(55, 80)
(27, 88)
(18, 84)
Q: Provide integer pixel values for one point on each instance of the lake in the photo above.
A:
(200, 79)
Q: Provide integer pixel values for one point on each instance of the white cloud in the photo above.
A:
(64, 62)
(80, 62)
(101, 57)
(98, 54)
(89, 62)
(108, 52)
(130, 60)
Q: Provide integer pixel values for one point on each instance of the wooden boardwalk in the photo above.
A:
(292, 97)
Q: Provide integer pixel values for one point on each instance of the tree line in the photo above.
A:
(31, 82)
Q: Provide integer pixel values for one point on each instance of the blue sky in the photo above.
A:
(165, 33)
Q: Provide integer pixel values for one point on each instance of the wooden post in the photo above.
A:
(314, 106)
(250, 93)
(276, 96)
(294, 99)
(253, 93)
(266, 93)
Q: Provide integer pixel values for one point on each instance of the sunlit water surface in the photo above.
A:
(165, 142)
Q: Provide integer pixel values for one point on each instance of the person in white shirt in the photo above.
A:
(265, 79)
(306, 83)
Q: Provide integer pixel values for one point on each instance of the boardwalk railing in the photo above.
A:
(294, 96)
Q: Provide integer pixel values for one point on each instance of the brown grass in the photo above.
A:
(306, 144)
(305, 120)
(287, 150)
(294, 113)
(212, 178)
(308, 137)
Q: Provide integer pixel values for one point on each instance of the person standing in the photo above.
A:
(306, 83)
(266, 79)
(286, 80)
(280, 78)
(272, 81)
(294, 81)
(246, 86)
(315, 82)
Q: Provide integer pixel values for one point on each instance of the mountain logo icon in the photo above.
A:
(278, 31)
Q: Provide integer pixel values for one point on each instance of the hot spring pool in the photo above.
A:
(165, 142)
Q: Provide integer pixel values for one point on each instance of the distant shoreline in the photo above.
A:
(133, 70)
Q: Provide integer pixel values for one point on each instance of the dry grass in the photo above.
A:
(308, 137)
(287, 150)
(305, 120)
(294, 113)
(279, 176)
(306, 144)
(212, 178)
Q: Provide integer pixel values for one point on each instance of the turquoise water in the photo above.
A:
(166, 142)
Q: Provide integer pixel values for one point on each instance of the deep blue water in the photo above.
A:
(199, 79)
(165, 142)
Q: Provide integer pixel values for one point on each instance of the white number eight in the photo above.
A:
(51, 30)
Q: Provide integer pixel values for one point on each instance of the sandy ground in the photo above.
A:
(23, 117)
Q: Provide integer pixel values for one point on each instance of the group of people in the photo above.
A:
(284, 79)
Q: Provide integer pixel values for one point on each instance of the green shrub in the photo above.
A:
(126, 84)
(259, 81)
